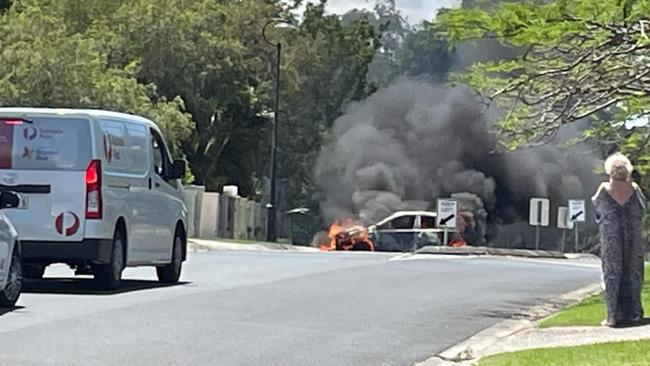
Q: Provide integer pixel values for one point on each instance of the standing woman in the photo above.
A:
(620, 207)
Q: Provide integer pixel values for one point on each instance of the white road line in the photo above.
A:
(558, 262)
(562, 262)
(411, 257)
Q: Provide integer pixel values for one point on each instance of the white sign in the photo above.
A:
(577, 212)
(539, 211)
(563, 218)
(447, 213)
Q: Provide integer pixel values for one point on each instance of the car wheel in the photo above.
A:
(14, 286)
(172, 272)
(109, 276)
(34, 271)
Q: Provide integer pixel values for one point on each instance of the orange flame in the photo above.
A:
(347, 235)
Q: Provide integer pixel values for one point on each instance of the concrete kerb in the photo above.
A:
(484, 251)
(214, 245)
(484, 343)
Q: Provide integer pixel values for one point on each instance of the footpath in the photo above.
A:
(554, 340)
(195, 245)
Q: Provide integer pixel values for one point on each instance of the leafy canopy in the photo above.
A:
(578, 59)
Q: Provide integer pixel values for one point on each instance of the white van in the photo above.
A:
(99, 192)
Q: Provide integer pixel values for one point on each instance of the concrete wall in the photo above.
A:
(241, 219)
(209, 215)
(225, 222)
(260, 222)
(218, 215)
(193, 201)
(250, 220)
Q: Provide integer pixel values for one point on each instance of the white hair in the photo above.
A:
(618, 158)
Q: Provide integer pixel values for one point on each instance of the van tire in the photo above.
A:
(171, 272)
(108, 276)
(34, 271)
(14, 286)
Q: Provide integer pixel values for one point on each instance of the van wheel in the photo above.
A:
(172, 272)
(10, 294)
(34, 271)
(109, 276)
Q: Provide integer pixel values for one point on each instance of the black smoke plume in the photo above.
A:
(411, 143)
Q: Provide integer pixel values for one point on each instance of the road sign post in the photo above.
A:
(446, 217)
(539, 216)
(577, 213)
(563, 223)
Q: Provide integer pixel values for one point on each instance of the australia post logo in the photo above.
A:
(67, 223)
(30, 133)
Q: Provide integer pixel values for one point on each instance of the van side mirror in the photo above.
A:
(9, 200)
(178, 169)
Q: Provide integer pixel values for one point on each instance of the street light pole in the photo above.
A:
(271, 231)
(271, 224)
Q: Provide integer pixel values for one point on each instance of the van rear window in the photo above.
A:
(44, 143)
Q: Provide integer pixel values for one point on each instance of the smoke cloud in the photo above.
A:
(411, 143)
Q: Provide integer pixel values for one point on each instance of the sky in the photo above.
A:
(414, 11)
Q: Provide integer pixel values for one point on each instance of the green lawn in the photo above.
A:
(606, 354)
(592, 310)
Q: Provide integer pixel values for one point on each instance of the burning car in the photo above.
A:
(399, 232)
(347, 235)
(405, 230)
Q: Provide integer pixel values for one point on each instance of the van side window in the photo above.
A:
(114, 146)
(161, 159)
(138, 152)
(158, 160)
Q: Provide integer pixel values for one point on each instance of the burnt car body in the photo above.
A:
(354, 239)
(405, 231)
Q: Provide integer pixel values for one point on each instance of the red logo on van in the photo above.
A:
(30, 133)
(108, 149)
(70, 228)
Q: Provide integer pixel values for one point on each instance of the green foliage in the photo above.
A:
(200, 69)
(578, 58)
(43, 63)
(404, 50)
(329, 60)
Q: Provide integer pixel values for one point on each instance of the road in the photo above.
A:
(278, 308)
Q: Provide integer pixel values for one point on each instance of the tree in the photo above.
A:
(207, 53)
(425, 53)
(579, 59)
(213, 56)
(405, 50)
(201, 70)
(326, 67)
(43, 63)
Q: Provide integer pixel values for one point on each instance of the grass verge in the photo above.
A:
(592, 311)
(605, 354)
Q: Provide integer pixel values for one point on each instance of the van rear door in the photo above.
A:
(45, 159)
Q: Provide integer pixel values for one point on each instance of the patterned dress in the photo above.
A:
(621, 247)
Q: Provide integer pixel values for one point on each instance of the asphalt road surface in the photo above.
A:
(278, 308)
